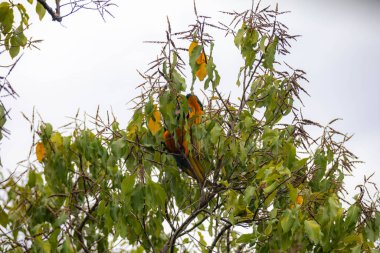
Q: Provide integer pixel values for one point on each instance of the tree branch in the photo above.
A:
(177, 233)
(224, 229)
(52, 13)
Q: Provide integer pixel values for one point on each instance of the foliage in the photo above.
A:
(14, 22)
(14, 19)
(270, 186)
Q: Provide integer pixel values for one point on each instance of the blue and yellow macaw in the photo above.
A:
(186, 161)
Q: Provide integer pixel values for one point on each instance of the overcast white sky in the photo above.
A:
(86, 63)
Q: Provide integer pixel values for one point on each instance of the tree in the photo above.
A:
(234, 175)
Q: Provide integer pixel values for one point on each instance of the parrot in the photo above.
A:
(186, 161)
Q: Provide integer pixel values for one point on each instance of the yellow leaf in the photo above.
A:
(201, 59)
(132, 129)
(154, 123)
(40, 151)
(201, 72)
(192, 46)
(299, 200)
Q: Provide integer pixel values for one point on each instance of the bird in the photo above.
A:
(179, 147)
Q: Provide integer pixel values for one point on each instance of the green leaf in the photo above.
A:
(248, 122)
(155, 195)
(286, 221)
(102, 246)
(6, 17)
(3, 117)
(7, 41)
(369, 234)
(245, 238)
(270, 53)
(53, 238)
(252, 38)
(212, 74)
(19, 39)
(14, 50)
(30, 1)
(268, 201)
(60, 220)
(234, 148)
(330, 155)
(262, 43)
(202, 242)
(301, 163)
(127, 184)
(334, 207)
(46, 130)
(45, 246)
(249, 193)
(270, 188)
(239, 37)
(273, 213)
(117, 147)
(40, 10)
(4, 9)
(4, 5)
(22, 39)
(3, 218)
(138, 197)
(138, 250)
(215, 134)
(290, 151)
(268, 230)
(108, 222)
(174, 62)
(179, 81)
(238, 78)
(356, 249)
(313, 231)
(211, 227)
(67, 247)
(292, 192)
(149, 107)
(242, 151)
(352, 217)
(193, 58)
(320, 161)
(377, 219)
(31, 178)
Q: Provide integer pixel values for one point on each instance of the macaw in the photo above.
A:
(186, 161)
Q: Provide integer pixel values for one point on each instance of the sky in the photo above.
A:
(85, 62)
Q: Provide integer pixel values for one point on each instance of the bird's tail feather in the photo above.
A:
(197, 169)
